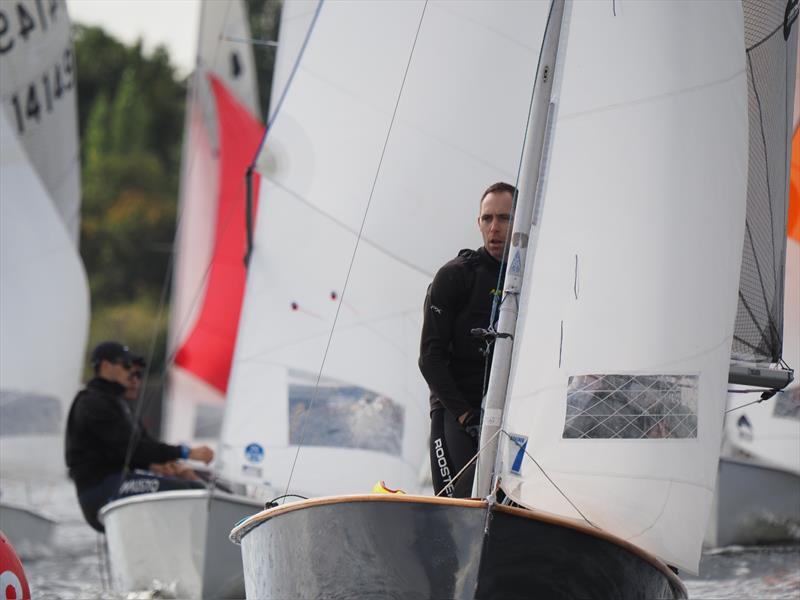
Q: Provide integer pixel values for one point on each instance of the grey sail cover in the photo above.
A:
(771, 54)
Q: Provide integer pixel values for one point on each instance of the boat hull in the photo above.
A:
(176, 539)
(416, 547)
(30, 532)
(755, 504)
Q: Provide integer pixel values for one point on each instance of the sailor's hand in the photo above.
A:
(472, 424)
(184, 471)
(164, 469)
(201, 453)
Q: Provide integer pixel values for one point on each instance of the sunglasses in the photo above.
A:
(125, 364)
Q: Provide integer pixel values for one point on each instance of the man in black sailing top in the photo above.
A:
(100, 427)
(453, 360)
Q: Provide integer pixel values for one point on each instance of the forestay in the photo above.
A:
(44, 315)
(39, 84)
(209, 271)
(621, 355)
(459, 127)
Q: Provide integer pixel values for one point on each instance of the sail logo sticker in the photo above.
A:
(517, 448)
(254, 452)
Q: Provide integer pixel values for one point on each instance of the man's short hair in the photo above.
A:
(500, 186)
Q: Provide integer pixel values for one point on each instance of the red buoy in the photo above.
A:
(13, 583)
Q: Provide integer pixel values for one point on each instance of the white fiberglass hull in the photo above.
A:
(176, 539)
(755, 504)
(30, 532)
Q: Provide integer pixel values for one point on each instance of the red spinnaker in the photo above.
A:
(208, 350)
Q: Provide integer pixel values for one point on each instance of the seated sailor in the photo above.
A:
(102, 435)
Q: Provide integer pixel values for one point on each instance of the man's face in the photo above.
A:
(494, 221)
(118, 371)
(133, 384)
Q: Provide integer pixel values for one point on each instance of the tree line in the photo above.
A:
(131, 107)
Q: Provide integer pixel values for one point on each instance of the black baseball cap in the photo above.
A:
(112, 352)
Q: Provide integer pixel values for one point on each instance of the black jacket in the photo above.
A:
(451, 358)
(99, 428)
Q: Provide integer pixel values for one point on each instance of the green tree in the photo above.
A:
(95, 138)
(128, 131)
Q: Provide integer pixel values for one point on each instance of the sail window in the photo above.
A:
(28, 414)
(342, 415)
(631, 407)
(787, 404)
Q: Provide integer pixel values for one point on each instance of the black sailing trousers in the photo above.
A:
(451, 448)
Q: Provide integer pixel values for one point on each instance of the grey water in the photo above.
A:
(76, 565)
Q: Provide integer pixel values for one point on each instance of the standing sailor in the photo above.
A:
(453, 361)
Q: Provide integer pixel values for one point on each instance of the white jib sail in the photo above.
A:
(193, 407)
(459, 127)
(44, 312)
(621, 356)
(38, 87)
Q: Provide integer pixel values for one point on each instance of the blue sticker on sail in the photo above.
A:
(254, 452)
(520, 442)
(516, 263)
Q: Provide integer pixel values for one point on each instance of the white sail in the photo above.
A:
(631, 296)
(38, 87)
(44, 312)
(459, 127)
(194, 405)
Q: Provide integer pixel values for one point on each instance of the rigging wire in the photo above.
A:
(528, 454)
(358, 239)
(766, 395)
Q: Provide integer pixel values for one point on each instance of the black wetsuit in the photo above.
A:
(454, 363)
(99, 428)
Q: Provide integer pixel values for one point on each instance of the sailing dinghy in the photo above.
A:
(603, 417)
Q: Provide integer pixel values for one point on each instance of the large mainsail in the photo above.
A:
(222, 133)
(38, 79)
(621, 355)
(44, 299)
(459, 76)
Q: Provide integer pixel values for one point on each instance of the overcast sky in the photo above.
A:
(172, 23)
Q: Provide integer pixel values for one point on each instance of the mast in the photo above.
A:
(523, 240)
